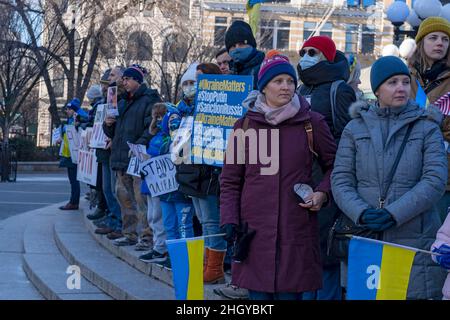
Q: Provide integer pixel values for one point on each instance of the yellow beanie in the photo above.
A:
(433, 24)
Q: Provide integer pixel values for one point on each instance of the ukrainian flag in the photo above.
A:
(186, 256)
(378, 270)
(254, 14)
(421, 96)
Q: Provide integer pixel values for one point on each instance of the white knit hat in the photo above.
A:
(407, 48)
(190, 73)
(95, 91)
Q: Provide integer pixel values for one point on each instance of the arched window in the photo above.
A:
(175, 48)
(108, 44)
(139, 47)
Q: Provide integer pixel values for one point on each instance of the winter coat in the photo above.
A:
(444, 86)
(196, 180)
(363, 159)
(443, 237)
(317, 82)
(284, 255)
(249, 68)
(135, 116)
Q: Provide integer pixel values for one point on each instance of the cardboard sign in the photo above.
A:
(99, 138)
(218, 106)
(87, 167)
(181, 139)
(159, 175)
(74, 142)
(139, 155)
(56, 135)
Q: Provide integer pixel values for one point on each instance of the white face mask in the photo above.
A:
(307, 61)
(189, 91)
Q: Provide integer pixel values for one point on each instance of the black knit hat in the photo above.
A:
(239, 31)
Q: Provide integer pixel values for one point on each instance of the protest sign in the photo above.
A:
(87, 161)
(56, 135)
(139, 155)
(181, 139)
(159, 175)
(112, 110)
(99, 138)
(218, 106)
(74, 142)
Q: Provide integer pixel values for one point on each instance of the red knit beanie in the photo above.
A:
(324, 44)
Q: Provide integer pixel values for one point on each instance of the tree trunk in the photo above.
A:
(5, 153)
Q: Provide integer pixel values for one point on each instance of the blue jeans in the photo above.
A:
(177, 219)
(114, 220)
(207, 210)
(331, 289)
(257, 295)
(74, 185)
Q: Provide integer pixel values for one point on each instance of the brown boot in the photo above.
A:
(214, 270)
(205, 260)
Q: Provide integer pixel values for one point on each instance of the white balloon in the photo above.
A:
(427, 8)
(398, 11)
(390, 50)
(407, 48)
(445, 12)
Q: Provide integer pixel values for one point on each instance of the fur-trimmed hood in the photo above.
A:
(432, 113)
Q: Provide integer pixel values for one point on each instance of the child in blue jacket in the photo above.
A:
(177, 209)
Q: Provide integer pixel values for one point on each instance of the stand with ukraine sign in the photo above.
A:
(379, 270)
(218, 106)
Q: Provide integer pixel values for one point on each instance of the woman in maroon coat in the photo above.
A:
(284, 255)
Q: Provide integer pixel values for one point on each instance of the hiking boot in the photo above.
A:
(114, 235)
(124, 241)
(232, 292)
(153, 257)
(105, 230)
(143, 245)
(97, 214)
(69, 206)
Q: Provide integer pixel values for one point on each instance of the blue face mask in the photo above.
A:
(241, 55)
(174, 124)
(307, 61)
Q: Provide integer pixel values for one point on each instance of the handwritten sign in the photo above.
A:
(159, 175)
(74, 142)
(98, 139)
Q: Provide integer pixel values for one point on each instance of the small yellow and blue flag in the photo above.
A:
(378, 270)
(421, 96)
(186, 257)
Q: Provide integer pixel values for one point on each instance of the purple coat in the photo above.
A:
(284, 255)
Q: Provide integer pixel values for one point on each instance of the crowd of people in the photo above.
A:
(382, 163)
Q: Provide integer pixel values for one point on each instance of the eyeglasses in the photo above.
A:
(311, 52)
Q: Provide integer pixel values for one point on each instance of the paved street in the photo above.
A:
(33, 191)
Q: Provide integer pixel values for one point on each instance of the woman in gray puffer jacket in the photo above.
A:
(367, 151)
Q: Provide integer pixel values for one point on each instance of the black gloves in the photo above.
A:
(377, 219)
(230, 230)
(241, 236)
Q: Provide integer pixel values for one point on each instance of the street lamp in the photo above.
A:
(398, 13)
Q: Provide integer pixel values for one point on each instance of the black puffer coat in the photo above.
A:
(135, 116)
(317, 82)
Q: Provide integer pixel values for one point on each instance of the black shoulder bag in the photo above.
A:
(343, 228)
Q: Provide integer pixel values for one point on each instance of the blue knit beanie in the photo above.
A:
(385, 68)
(273, 66)
(135, 73)
(74, 104)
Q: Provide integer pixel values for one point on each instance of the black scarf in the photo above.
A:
(433, 73)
